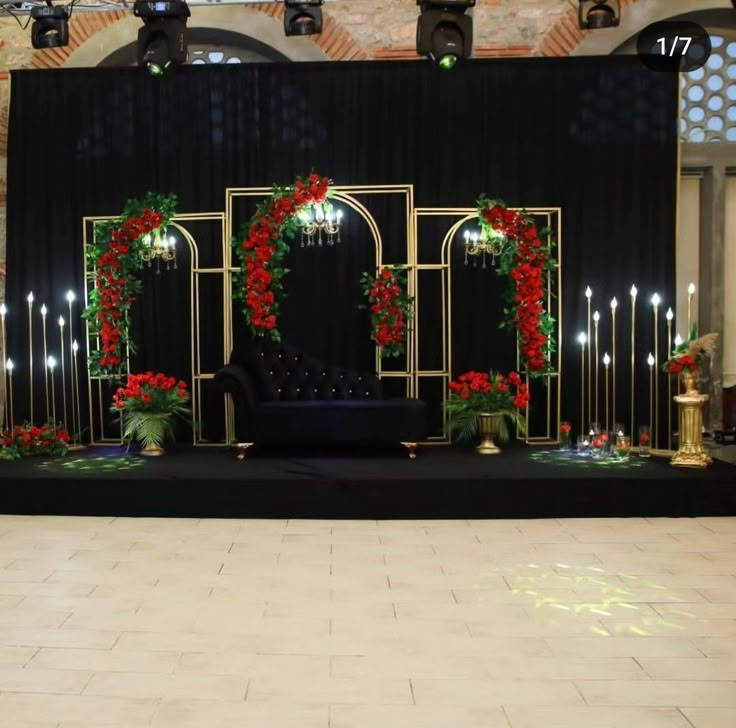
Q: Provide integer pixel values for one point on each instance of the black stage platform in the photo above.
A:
(443, 482)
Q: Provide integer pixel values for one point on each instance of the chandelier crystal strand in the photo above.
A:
(481, 245)
(320, 226)
(159, 247)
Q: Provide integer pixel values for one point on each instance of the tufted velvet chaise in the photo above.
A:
(282, 396)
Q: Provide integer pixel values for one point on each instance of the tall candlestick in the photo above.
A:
(596, 319)
(655, 305)
(633, 293)
(75, 348)
(9, 366)
(29, 298)
(690, 294)
(63, 370)
(606, 362)
(650, 361)
(3, 311)
(44, 311)
(678, 341)
(51, 363)
(582, 339)
(70, 300)
(669, 316)
(614, 306)
(588, 296)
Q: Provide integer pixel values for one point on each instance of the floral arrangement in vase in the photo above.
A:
(28, 440)
(687, 358)
(480, 393)
(148, 404)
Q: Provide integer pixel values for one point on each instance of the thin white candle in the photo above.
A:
(690, 294)
(51, 363)
(29, 298)
(655, 306)
(582, 338)
(9, 366)
(63, 370)
(596, 320)
(614, 306)
(633, 291)
(44, 311)
(589, 295)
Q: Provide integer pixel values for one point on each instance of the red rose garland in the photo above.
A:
(391, 309)
(115, 254)
(525, 259)
(262, 247)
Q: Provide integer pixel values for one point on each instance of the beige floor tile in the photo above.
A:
(414, 716)
(594, 717)
(114, 660)
(255, 665)
(201, 713)
(183, 685)
(699, 610)
(710, 717)
(11, 723)
(624, 647)
(490, 693)
(34, 637)
(16, 656)
(690, 668)
(693, 693)
(32, 680)
(45, 589)
(308, 689)
(671, 627)
(103, 711)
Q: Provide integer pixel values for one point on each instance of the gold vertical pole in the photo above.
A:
(9, 369)
(650, 361)
(655, 306)
(690, 294)
(633, 293)
(63, 370)
(669, 316)
(70, 299)
(29, 298)
(606, 362)
(3, 311)
(614, 305)
(596, 319)
(75, 369)
(51, 363)
(589, 295)
(44, 311)
(582, 340)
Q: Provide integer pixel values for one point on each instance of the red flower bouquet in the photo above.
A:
(391, 308)
(28, 440)
(262, 246)
(475, 393)
(525, 259)
(148, 403)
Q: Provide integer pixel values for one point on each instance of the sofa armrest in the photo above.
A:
(234, 380)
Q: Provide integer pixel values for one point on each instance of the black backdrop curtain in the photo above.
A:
(594, 136)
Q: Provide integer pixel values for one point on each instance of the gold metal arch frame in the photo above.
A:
(348, 195)
(97, 399)
(550, 217)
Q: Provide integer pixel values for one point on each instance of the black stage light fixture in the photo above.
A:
(597, 14)
(162, 40)
(444, 32)
(303, 17)
(50, 27)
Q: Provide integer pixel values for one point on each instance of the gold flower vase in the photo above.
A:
(488, 426)
(691, 453)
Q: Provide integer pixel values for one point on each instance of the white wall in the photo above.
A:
(729, 282)
(687, 264)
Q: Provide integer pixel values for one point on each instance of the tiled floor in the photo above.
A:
(299, 624)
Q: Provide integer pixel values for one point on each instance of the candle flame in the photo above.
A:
(650, 360)
(75, 346)
(582, 338)
(678, 339)
(669, 315)
(655, 300)
(3, 309)
(606, 359)
(9, 365)
(70, 296)
(596, 317)
(51, 362)
(61, 321)
(588, 292)
(29, 297)
(44, 310)
(633, 291)
(614, 303)
(691, 289)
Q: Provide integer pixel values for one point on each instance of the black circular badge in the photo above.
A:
(673, 46)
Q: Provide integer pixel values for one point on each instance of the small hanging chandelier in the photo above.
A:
(320, 225)
(159, 247)
(481, 245)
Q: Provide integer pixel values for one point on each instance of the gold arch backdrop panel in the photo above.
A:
(357, 198)
(100, 432)
(434, 258)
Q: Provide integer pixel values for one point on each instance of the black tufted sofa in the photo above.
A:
(282, 396)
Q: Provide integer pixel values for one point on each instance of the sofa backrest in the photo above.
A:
(284, 373)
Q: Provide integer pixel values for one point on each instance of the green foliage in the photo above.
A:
(28, 440)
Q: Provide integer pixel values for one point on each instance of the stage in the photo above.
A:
(443, 482)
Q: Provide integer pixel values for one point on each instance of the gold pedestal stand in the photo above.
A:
(691, 453)
(488, 429)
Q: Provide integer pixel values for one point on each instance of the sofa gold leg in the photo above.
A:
(412, 448)
(242, 448)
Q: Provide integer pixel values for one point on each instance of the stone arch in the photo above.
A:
(566, 38)
(93, 36)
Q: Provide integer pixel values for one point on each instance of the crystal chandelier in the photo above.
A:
(160, 248)
(481, 245)
(320, 225)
